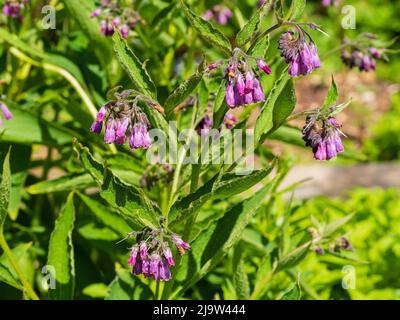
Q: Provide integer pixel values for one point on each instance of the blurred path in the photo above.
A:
(338, 180)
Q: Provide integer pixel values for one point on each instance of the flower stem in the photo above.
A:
(7, 251)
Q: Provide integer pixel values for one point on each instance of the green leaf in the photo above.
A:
(65, 183)
(19, 162)
(260, 48)
(249, 29)
(105, 215)
(218, 187)
(206, 30)
(214, 242)
(96, 290)
(92, 166)
(5, 189)
(293, 292)
(29, 129)
(335, 225)
(7, 271)
(61, 252)
(100, 44)
(331, 97)
(241, 282)
(294, 257)
(127, 287)
(339, 108)
(184, 89)
(278, 106)
(132, 203)
(296, 9)
(133, 67)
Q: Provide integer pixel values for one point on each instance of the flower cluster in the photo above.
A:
(364, 61)
(123, 116)
(219, 13)
(13, 8)
(243, 84)
(7, 113)
(327, 3)
(323, 135)
(151, 254)
(302, 56)
(114, 17)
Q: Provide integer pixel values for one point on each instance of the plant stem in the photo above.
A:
(7, 251)
(262, 35)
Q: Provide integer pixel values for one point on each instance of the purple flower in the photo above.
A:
(301, 56)
(249, 82)
(96, 12)
(168, 255)
(220, 14)
(180, 244)
(7, 113)
(327, 3)
(139, 137)
(258, 93)
(120, 130)
(324, 139)
(137, 268)
(155, 266)
(240, 85)
(230, 95)
(261, 3)
(124, 30)
(263, 66)
(109, 136)
(143, 249)
(164, 272)
(375, 52)
(204, 127)
(316, 62)
(96, 127)
(230, 121)
(13, 8)
(133, 256)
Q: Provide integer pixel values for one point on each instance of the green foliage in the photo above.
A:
(70, 202)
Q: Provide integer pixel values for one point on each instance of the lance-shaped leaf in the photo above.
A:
(249, 29)
(61, 252)
(65, 183)
(109, 217)
(296, 9)
(216, 188)
(5, 189)
(278, 106)
(29, 129)
(126, 287)
(132, 203)
(214, 243)
(91, 165)
(19, 163)
(133, 67)
(206, 30)
(331, 97)
(182, 91)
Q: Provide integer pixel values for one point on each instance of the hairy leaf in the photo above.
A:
(61, 252)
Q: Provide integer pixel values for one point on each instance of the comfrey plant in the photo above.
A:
(363, 52)
(201, 228)
(6, 112)
(243, 85)
(124, 116)
(151, 254)
(113, 16)
(14, 8)
(300, 54)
